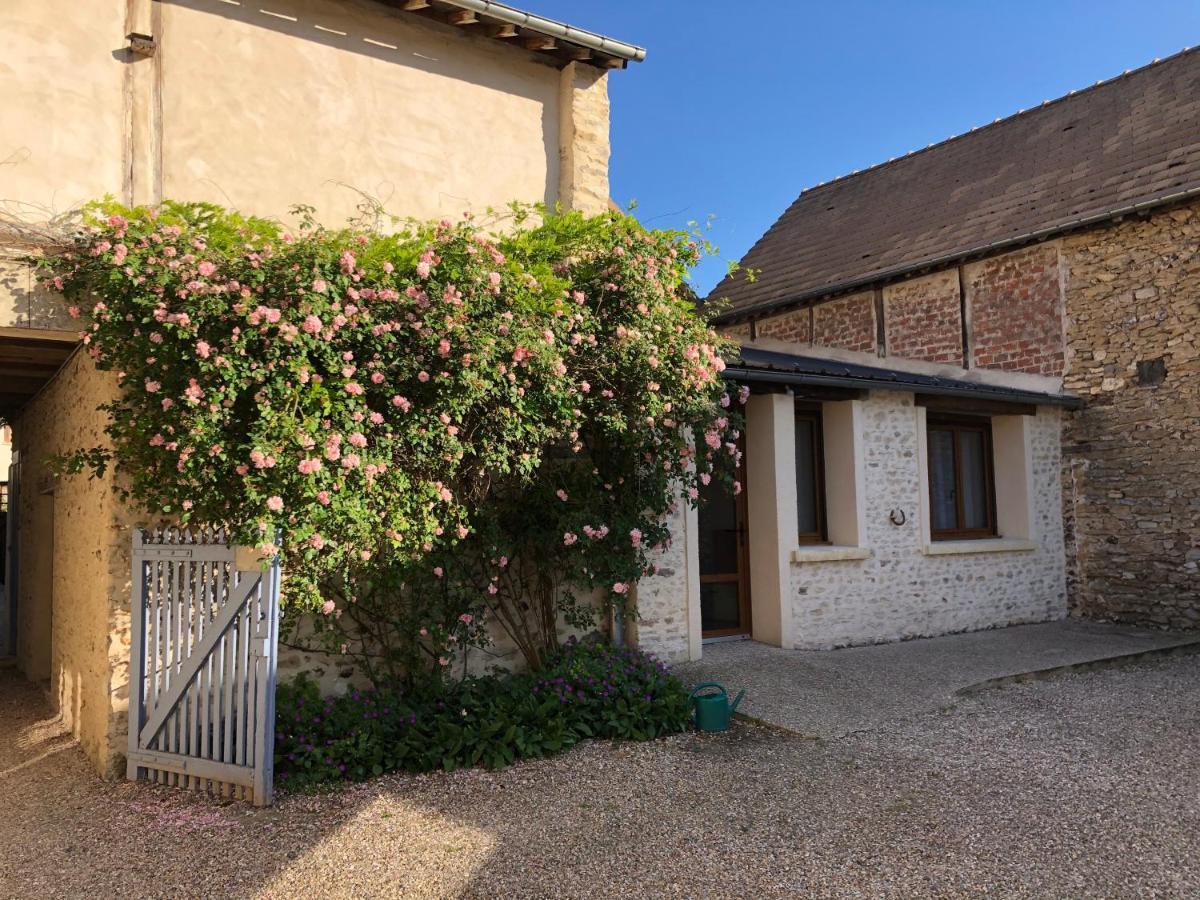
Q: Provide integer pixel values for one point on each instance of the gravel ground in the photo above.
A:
(1081, 786)
(826, 694)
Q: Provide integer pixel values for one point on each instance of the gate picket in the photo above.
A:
(202, 665)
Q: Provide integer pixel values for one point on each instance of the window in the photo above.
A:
(962, 490)
(810, 476)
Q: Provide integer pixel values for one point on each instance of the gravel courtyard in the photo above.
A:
(1085, 785)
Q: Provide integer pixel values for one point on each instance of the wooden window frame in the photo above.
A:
(956, 425)
(811, 412)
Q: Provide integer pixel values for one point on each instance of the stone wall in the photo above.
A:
(665, 625)
(583, 138)
(899, 591)
(74, 550)
(1132, 456)
(923, 320)
(1014, 304)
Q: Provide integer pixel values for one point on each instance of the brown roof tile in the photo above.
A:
(1133, 140)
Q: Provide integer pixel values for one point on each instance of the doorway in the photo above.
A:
(724, 561)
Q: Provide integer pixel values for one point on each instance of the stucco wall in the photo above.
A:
(899, 591)
(61, 127)
(318, 102)
(259, 112)
(74, 566)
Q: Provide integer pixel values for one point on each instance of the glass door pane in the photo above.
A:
(720, 609)
(724, 597)
(718, 530)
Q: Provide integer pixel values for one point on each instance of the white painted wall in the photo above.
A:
(906, 588)
(880, 582)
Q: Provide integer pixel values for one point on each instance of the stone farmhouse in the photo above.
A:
(976, 378)
(255, 106)
(972, 369)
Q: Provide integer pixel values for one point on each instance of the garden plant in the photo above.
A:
(448, 430)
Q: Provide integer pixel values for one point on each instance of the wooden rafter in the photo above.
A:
(503, 31)
(538, 42)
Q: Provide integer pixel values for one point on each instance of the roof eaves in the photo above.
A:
(753, 311)
(834, 375)
(581, 37)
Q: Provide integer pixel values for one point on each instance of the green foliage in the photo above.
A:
(449, 427)
(585, 690)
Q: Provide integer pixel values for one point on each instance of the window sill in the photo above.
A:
(824, 553)
(983, 545)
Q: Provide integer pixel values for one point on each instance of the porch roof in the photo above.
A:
(29, 357)
(755, 364)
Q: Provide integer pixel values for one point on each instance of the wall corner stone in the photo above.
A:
(583, 138)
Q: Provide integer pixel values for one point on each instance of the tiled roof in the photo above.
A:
(1133, 141)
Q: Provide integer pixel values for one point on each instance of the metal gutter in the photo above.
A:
(944, 389)
(580, 36)
(772, 306)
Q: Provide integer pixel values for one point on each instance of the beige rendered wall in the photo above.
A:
(260, 112)
(312, 101)
(62, 127)
(317, 102)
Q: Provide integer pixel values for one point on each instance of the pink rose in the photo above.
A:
(275, 504)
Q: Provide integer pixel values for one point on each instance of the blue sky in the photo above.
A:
(739, 105)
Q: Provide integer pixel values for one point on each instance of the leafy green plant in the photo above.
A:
(452, 428)
(587, 690)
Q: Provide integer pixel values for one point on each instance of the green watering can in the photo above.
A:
(713, 709)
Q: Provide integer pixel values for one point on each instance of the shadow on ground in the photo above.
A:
(1081, 786)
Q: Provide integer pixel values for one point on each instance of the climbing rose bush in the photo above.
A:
(440, 427)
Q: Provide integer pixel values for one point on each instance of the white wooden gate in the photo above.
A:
(202, 664)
